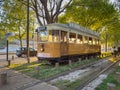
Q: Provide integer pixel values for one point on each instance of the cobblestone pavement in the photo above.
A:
(16, 80)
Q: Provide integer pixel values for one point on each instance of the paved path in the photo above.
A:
(43, 86)
(17, 80)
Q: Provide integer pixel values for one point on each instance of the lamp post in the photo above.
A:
(7, 46)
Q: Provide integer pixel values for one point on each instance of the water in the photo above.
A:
(11, 48)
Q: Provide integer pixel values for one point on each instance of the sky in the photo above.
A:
(112, 0)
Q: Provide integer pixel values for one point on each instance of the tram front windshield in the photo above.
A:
(43, 36)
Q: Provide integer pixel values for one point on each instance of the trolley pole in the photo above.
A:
(28, 59)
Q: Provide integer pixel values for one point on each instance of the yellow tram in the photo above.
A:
(57, 42)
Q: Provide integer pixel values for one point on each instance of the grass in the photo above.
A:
(110, 79)
(46, 71)
(67, 84)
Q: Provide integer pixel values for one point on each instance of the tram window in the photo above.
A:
(98, 42)
(90, 40)
(43, 35)
(54, 36)
(50, 39)
(72, 38)
(94, 41)
(85, 39)
(63, 36)
(79, 39)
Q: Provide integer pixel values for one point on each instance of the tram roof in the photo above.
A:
(71, 27)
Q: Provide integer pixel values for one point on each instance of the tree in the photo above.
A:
(114, 31)
(14, 19)
(93, 14)
(116, 25)
(47, 11)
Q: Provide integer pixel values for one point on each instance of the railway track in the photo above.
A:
(95, 75)
(53, 77)
(58, 75)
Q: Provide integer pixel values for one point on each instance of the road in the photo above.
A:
(10, 56)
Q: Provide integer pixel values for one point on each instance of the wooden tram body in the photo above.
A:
(58, 42)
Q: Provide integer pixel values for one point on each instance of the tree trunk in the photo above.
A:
(20, 42)
(20, 39)
(106, 43)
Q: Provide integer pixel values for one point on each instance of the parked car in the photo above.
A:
(23, 51)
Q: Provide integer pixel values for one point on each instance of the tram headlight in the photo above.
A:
(42, 48)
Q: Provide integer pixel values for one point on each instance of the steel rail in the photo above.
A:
(95, 76)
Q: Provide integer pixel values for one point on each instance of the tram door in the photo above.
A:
(64, 44)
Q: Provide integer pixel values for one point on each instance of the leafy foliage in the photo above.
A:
(89, 13)
(14, 19)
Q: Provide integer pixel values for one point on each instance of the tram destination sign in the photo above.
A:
(41, 28)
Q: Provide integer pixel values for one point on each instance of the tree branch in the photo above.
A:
(58, 11)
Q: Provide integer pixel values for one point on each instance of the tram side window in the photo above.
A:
(50, 39)
(53, 36)
(63, 36)
(43, 36)
(72, 38)
(90, 40)
(79, 39)
(98, 42)
(94, 41)
(56, 36)
(85, 39)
